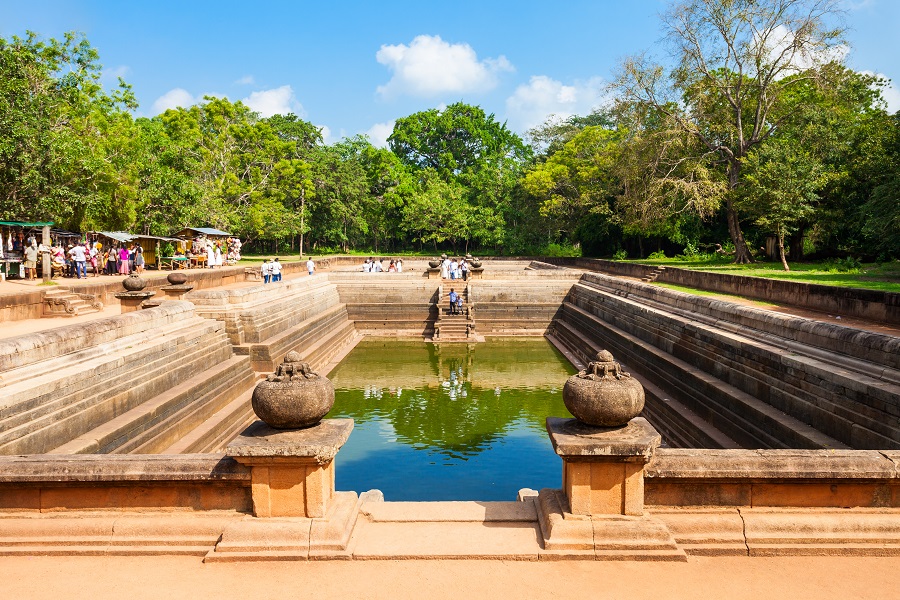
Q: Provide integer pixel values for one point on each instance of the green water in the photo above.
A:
(449, 422)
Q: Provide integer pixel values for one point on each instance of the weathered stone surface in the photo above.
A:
(294, 396)
(574, 439)
(603, 395)
(320, 442)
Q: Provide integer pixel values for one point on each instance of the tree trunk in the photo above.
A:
(741, 252)
(781, 252)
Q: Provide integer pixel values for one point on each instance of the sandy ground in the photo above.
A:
(173, 578)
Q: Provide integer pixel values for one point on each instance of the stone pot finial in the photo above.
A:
(176, 278)
(603, 394)
(294, 396)
(133, 283)
(434, 263)
(475, 263)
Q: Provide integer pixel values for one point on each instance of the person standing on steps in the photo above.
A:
(453, 298)
(276, 270)
(311, 266)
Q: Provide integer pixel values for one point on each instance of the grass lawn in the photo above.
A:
(873, 276)
(699, 292)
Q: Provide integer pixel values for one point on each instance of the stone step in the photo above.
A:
(152, 419)
(221, 427)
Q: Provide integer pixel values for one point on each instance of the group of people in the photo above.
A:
(372, 265)
(271, 270)
(74, 261)
(456, 303)
(455, 269)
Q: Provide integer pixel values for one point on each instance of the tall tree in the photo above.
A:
(735, 62)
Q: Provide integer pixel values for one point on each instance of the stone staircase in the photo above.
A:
(148, 380)
(651, 277)
(454, 327)
(759, 389)
(66, 303)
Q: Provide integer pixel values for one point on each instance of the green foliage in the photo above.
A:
(620, 254)
(561, 250)
(848, 264)
(658, 255)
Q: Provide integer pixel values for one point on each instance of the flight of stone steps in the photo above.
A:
(66, 303)
(454, 327)
(651, 277)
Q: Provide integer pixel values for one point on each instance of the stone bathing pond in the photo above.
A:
(452, 421)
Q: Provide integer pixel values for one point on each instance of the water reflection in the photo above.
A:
(449, 422)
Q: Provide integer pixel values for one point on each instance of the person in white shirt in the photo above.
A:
(454, 269)
(311, 267)
(79, 256)
(266, 270)
(399, 266)
(367, 266)
(276, 270)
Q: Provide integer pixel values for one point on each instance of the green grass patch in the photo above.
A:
(730, 297)
(884, 277)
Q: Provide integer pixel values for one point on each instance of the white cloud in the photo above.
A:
(173, 99)
(431, 66)
(277, 101)
(890, 93)
(245, 80)
(379, 133)
(781, 38)
(116, 72)
(531, 104)
(326, 134)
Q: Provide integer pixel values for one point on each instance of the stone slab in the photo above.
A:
(320, 442)
(460, 512)
(574, 440)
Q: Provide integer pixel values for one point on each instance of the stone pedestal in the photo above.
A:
(600, 509)
(297, 512)
(131, 301)
(434, 273)
(175, 292)
(476, 273)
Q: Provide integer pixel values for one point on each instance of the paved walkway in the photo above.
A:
(176, 578)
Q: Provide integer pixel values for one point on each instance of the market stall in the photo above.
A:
(14, 236)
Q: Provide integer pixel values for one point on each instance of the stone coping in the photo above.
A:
(573, 439)
(111, 468)
(33, 347)
(320, 442)
(685, 463)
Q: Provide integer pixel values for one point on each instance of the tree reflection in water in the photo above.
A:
(449, 422)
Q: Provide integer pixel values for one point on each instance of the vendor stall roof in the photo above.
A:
(26, 224)
(203, 230)
(125, 237)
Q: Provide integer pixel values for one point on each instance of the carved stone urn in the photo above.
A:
(434, 264)
(176, 278)
(133, 283)
(294, 396)
(604, 395)
(475, 263)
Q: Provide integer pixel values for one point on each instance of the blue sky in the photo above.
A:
(354, 67)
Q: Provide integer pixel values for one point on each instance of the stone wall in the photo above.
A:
(389, 304)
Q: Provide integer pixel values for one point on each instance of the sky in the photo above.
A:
(354, 67)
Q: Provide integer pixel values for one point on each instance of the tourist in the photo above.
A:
(464, 269)
(217, 255)
(392, 268)
(92, 258)
(399, 265)
(110, 261)
(79, 256)
(311, 266)
(453, 298)
(210, 256)
(459, 304)
(266, 271)
(454, 269)
(139, 259)
(31, 257)
(275, 268)
(367, 266)
(445, 268)
(123, 260)
(377, 267)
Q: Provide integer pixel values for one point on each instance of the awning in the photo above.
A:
(203, 230)
(25, 224)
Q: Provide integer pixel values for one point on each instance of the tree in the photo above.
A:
(735, 62)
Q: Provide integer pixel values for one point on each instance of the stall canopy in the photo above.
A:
(207, 231)
(125, 237)
(26, 224)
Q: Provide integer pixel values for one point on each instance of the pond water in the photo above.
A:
(451, 421)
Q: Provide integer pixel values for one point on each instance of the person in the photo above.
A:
(454, 269)
(31, 257)
(445, 269)
(464, 269)
(311, 266)
(266, 270)
(275, 267)
(78, 255)
(92, 258)
(110, 261)
(123, 260)
(139, 259)
(453, 298)
(377, 267)
(367, 266)
(459, 304)
(392, 268)
(399, 265)
(210, 256)
(218, 255)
